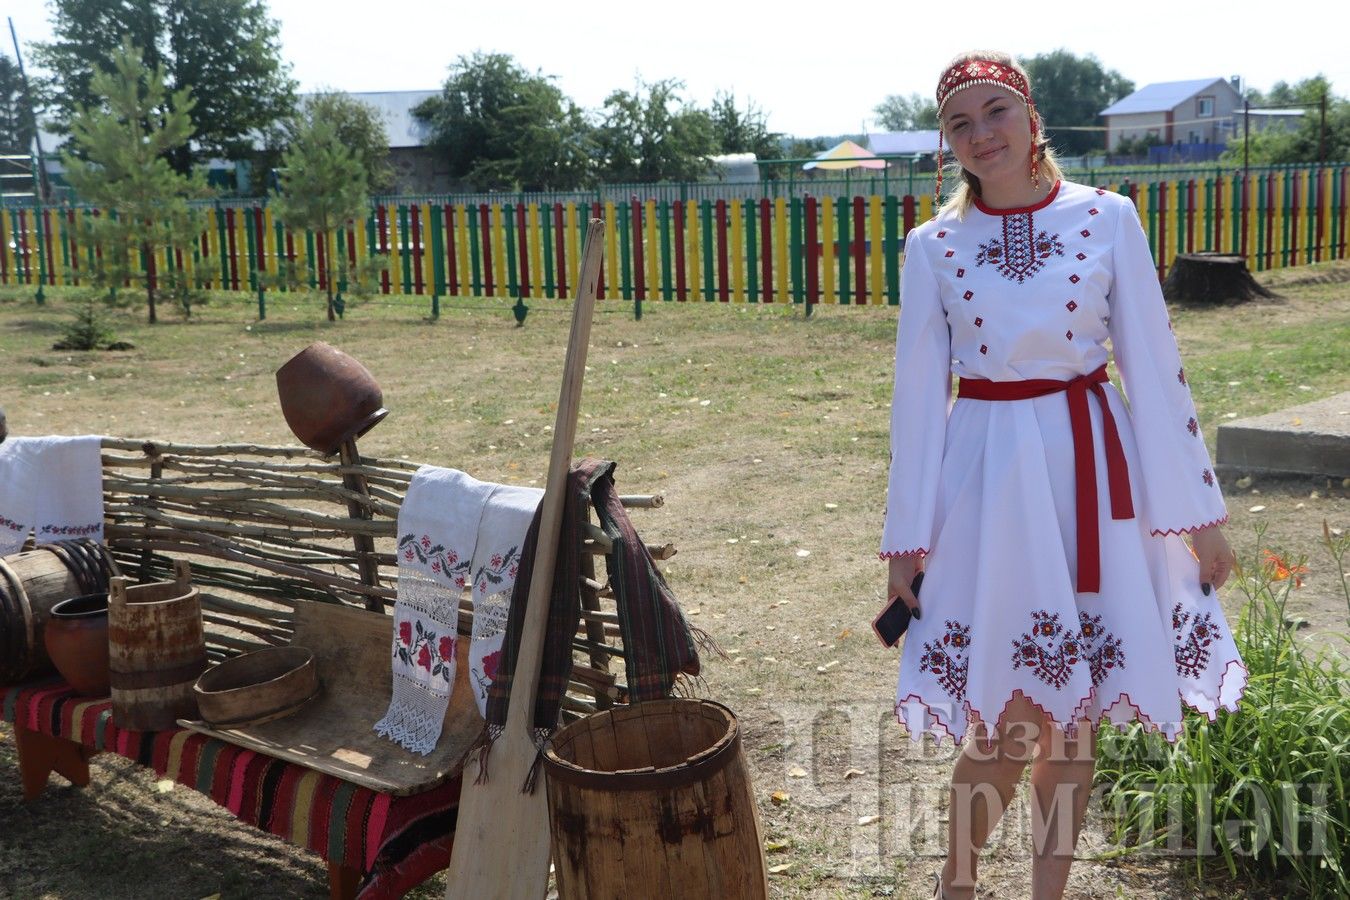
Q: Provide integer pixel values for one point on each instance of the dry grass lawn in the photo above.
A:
(767, 434)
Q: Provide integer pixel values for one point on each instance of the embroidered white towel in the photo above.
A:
(437, 530)
(501, 534)
(52, 485)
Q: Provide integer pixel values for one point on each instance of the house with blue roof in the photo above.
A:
(1199, 111)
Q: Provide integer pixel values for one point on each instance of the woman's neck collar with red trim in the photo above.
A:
(1035, 207)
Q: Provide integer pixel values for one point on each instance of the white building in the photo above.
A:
(1199, 111)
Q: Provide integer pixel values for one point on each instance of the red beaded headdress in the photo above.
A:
(969, 73)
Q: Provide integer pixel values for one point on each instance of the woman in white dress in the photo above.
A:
(1046, 514)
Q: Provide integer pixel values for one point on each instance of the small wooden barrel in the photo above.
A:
(31, 583)
(156, 651)
(654, 800)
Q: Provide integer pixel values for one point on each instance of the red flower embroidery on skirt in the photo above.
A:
(1193, 427)
(1043, 649)
(1192, 646)
(947, 659)
(1100, 647)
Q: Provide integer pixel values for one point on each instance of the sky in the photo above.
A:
(814, 68)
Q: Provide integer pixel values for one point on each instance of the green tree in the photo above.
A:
(118, 162)
(914, 112)
(16, 130)
(503, 127)
(323, 185)
(357, 124)
(227, 52)
(737, 130)
(650, 134)
(1070, 93)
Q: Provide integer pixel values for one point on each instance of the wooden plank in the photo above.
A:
(498, 812)
(334, 733)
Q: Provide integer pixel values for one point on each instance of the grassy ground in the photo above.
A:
(766, 432)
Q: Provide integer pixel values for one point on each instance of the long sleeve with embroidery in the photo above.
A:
(1180, 491)
(918, 407)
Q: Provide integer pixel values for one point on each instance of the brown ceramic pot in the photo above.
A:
(327, 397)
(76, 637)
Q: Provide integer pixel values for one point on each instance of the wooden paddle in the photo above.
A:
(501, 847)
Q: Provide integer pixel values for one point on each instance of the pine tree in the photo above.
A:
(323, 185)
(125, 142)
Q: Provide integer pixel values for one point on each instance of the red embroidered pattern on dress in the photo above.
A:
(1074, 279)
(947, 659)
(1042, 650)
(1192, 646)
(1208, 477)
(960, 273)
(1193, 427)
(1181, 375)
(1069, 334)
(1071, 305)
(1085, 233)
(1022, 251)
(1093, 211)
(1080, 256)
(1100, 648)
(942, 234)
(979, 322)
(968, 294)
(984, 348)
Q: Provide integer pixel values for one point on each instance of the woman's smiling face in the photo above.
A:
(989, 130)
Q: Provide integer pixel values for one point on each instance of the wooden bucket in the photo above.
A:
(31, 583)
(654, 800)
(156, 651)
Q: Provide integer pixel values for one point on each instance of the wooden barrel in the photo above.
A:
(156, 651)
(31, 583)
(654, 800)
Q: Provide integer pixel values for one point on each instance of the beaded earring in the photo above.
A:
(937, 188)
(1035, 162)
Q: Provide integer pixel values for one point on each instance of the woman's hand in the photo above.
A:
(902, 572)
(1214, 555)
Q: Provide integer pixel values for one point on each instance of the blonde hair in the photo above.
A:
(968, 186)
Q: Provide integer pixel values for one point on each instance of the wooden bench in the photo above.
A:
(268, 530)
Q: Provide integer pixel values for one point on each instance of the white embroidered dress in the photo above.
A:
(985, 489)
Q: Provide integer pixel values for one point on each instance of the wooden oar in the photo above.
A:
(501, 846)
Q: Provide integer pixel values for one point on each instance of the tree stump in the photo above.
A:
(1211, 278)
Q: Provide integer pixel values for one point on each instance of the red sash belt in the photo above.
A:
(1084, 456)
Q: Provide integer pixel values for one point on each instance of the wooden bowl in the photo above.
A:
(257, 687)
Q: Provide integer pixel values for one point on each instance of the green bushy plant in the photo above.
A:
(1263, 790)
(88, 330)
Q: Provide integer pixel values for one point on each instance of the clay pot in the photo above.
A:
(328, 397)
(76, 637)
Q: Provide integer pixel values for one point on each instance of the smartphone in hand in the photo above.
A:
(894, 619)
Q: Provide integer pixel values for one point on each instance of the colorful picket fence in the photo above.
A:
(781, 250)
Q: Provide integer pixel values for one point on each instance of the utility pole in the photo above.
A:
(1246, 137)
(1322, 132)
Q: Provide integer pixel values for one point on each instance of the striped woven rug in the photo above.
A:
(398, 842)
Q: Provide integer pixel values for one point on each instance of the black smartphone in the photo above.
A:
(894, 619)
